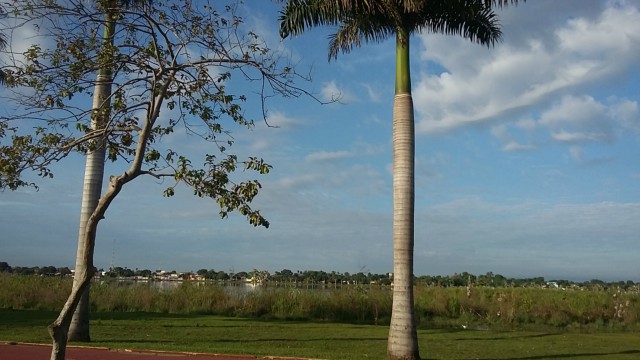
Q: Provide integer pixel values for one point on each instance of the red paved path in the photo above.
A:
(20, 351)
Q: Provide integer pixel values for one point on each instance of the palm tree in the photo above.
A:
(378, 20)
(94, 167)
(92, 187)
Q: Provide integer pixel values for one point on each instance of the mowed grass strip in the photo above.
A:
(216, 334)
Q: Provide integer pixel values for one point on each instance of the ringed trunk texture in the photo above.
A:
(72, 323)
(92, 188)
(94, 173)
(403, 339)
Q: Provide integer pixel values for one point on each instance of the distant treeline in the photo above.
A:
(35, 270)
(463, 279)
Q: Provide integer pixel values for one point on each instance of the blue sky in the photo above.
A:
(527, 162)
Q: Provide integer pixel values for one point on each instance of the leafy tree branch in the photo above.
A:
(165, 66)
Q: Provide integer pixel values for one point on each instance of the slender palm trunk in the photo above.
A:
(93, 177)
(403, 339)
(94, 173)
(59, 329)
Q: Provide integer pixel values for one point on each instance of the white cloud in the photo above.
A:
(332, 92)
(502, 133)
(573, 137)
(373, 94)
(574, 110)
(20, 39)
(328, 155)
(515, 146)
(579, 119)
(283, 121)
(627, 113)
(576, 153)
(480, 85)
(359, 149)
(291, 182)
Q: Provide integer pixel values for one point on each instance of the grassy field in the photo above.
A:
(322, 340)
(347, 323)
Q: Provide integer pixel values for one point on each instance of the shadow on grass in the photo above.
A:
(507, 337)
(557, 356)
(566, 356)
(12, 318)
(16, 318)
(245, 340)
(140, 316)
(25, 317)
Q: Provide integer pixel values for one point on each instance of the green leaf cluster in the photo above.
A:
(172, 68)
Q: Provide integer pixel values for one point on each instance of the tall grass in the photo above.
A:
(511, 308)
(496, 308)
(33, 292)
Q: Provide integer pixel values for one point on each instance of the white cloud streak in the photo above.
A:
(328, 155)
(331, 91)
(516, 76)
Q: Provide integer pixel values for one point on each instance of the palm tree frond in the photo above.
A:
(471, 19)
(353, 30)
(500, 3)
(358, 20)
(300, 14)
(297, 15)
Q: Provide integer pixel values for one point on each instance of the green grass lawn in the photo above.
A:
(215, 334)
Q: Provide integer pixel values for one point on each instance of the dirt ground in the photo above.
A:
(22, 351)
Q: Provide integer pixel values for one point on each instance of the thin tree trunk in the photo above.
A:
(403, 339)
(92, 188)
(94, 173)
(59, 329)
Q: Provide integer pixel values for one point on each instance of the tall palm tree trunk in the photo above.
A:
(403, 339)
(93, 177)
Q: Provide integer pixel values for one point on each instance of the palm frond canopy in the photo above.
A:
(376, 20)
(501, 3)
